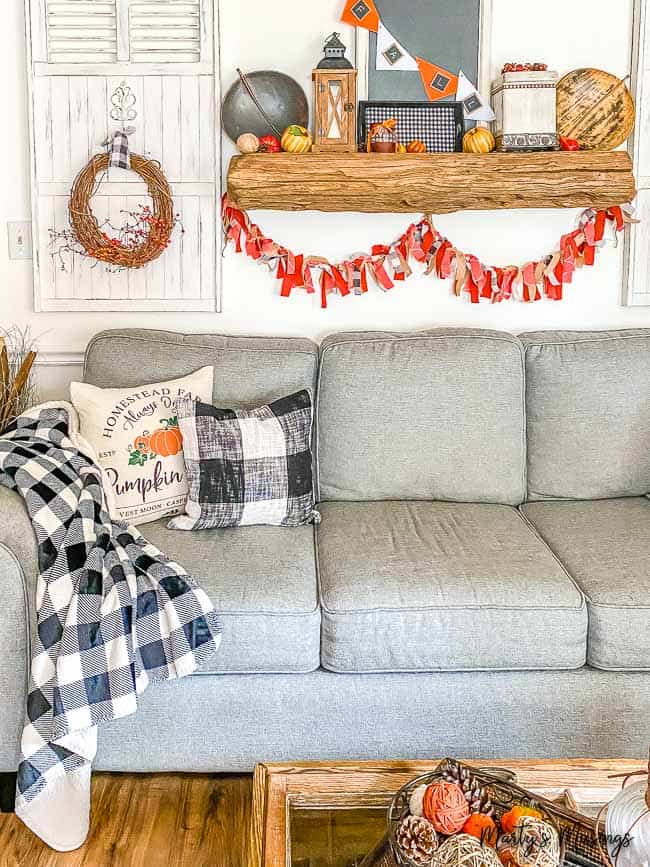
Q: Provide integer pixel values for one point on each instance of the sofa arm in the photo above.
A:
(18, 574)
(16, 532)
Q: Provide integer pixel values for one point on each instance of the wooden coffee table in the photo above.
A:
(333, 815)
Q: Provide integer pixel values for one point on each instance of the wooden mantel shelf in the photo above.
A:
(436, 183)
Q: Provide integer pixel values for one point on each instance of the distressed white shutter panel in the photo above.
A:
(165, 32)
(637, 259)
(79, 30)
(166, 52)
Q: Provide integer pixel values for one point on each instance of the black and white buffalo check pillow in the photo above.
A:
(247, 467)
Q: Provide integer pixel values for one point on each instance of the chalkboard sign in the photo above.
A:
(444, 32)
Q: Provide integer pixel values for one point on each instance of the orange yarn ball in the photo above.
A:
(444, 805)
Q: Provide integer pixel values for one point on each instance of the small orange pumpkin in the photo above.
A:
(509, 820)
(482, 827)
(166, 441)
(142, 443)
(416, 147)
(478, 141)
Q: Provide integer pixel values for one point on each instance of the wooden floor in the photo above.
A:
(147, 820)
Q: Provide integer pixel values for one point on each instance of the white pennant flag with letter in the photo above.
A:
(474, 106)
(391, 54)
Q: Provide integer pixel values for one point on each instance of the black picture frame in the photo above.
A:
(440, 125)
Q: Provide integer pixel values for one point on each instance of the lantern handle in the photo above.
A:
(258, 105)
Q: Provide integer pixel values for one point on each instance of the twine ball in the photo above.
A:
(416, 801)
(532, 843)
(465, 851)
(628, 827)
(445, 806)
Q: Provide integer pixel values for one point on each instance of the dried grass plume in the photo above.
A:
(17, 386)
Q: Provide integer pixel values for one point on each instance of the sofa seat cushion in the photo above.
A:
(262, 581)
(605, 545)
(414, 586)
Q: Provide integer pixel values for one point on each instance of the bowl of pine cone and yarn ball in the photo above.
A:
(447, 819)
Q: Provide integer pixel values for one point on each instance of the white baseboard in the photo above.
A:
(59, 358)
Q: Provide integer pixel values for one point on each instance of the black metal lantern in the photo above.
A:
(334, 54)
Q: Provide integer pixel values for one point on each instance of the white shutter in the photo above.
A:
(81, 31)
(164, 51)
(165, 31)
(637, 252)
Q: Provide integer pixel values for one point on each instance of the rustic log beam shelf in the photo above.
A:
(436, 183)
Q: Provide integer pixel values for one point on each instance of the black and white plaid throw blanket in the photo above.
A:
(114, 614)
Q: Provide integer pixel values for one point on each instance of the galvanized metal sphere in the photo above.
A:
(281, 97)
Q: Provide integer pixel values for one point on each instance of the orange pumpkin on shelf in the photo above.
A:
(416, 147)
(167, 440)
(478, 141)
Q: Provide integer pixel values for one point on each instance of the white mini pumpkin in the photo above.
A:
(248, 143)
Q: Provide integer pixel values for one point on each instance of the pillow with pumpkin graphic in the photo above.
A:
(136, 441)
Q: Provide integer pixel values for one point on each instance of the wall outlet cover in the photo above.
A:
(20, 240)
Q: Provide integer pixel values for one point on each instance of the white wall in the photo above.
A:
(281, 35)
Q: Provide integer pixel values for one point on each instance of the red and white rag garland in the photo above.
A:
(387, 264)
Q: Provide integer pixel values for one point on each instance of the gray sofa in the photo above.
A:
(478, 585)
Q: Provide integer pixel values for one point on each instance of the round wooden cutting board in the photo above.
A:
(595, 108)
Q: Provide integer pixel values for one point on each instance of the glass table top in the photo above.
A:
(340, 837)
(345, 836)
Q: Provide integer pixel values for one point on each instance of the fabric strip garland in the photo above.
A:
(386, 265)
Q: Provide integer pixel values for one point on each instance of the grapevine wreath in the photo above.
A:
(160, 219)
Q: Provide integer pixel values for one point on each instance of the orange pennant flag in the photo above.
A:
(361, 13)
(438, 82)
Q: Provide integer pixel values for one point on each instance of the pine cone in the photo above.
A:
(417, 838)
(475, 794)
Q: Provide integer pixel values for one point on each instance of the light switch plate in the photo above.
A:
(20, 240)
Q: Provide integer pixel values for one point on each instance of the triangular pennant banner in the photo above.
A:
(361, 13)
(391, 54)
(474, 106)
(438, 82)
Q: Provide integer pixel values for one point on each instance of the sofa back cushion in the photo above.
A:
(248, 371)
(435, 415)
(588, 414)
